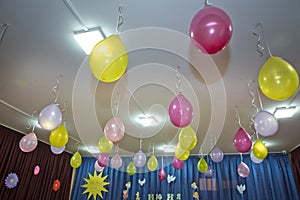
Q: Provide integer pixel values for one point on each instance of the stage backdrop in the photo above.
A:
(269, 180)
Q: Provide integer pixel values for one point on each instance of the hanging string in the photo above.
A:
(116, 104)
(259, 99)
(56, 87)
(117, 148)
(178, 85)
(206, 3)
(3, 32)
(237, 116)
(120, 18)
(241, 157)
(259, 47)
(251, 123)
(141, 141)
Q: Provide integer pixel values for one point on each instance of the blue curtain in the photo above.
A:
(269, 180)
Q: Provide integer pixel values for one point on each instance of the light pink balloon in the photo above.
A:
(211, 29)
(36, 170)
(97, 167)
(116, 161)
(177, 164)
(180, 111)
(242, 141)
(103, 159)
(28, 142)
(114, 129)
(162, 174)
(243, 170)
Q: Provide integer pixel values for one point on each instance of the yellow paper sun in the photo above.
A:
(95, 185)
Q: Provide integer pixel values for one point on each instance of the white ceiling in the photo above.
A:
(39, 46)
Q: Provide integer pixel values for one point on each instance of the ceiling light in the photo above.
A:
(92, 149)
(88, 39)
(168, 148)
(147, 120)
(284, 112)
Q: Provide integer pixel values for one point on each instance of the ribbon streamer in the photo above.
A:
(237, 116)
(3, 32)
(178, 85)
(120, 18)
(259, 47)
(56, 87)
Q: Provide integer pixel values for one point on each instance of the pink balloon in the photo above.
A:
(28, 142)
(114, 129)
(57, 150)
(180, 111)
(243, 170)
(116, 161)
(139, 159)
(211, 29)
(242, 141)
(216, 154)
(103, 159)
(177, 164)
(162, 174)
(50, 117)
(265, 123)
(97, 167)
(36, 170)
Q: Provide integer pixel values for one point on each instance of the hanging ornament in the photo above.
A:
(265, 123)
(76, 160)
(152, 163)
(216, 154)
(202, 165)
(59, 137)
(177, 164)
(211, 29)
(114, 129)
(36, 170)
(116, 161)
(131, 169)
(260, 151)
(139, 159)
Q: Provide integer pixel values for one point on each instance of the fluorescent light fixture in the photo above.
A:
(147, 121)
(88, 39)
(92, 149)
(168, 148)
(285, 112)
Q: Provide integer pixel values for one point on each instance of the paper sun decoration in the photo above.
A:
(11, 180)
(95, 185)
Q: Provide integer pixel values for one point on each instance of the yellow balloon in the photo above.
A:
(75, 160)
(202, 165)
(131, 169)
(181, 154)
(108, 59)
(187, 138)
(59, 137)
(105, 145)
(277, 79)
(152, 163)
(260, 151)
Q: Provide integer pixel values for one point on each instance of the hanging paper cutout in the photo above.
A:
(195, 191)
(142, 182)
(95, 185)
(125, 192)
(137, 196)
(11, 180)
(36, 170)
(241, 188)
(171, 179)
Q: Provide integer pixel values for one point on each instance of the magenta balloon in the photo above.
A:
(28, 142)
(139, 159)
(57, 150)
(180, 111)
(177, 164)
(162, 174)
(97, 167)
(211, 29)
(265, 123)
(216, 154)
(114, 129)
(50, 117)
(243, 170)
(103, 159)
(116, 161)
(242, 141)
(254, 159)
